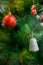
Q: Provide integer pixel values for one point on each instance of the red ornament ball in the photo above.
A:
(42, 17)
(9, 21)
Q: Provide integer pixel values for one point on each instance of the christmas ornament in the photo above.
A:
(9, 21)
(33, 10)
(41, 17)
(33, 7)
(33, 45)
(41, 20)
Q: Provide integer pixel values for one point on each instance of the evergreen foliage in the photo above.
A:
(14, 42)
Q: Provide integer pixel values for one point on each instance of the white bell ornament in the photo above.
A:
(33, 45)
